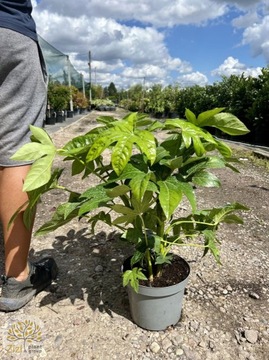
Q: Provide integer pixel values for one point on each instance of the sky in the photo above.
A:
(184, 42)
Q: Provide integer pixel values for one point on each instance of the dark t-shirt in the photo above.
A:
(16, 15)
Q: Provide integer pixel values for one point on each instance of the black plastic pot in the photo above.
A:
(70, 114)
(50, 120)
(60, 117)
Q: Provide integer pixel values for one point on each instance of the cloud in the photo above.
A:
(232, 66)
(127, 38)
(255, 25)
(256, 36)
(114, 46)
(158, 13)
(195, 78)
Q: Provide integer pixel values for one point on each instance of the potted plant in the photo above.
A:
(152, 166)
(58, 97)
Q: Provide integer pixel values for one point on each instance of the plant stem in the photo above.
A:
(147, 253)
(149, 265)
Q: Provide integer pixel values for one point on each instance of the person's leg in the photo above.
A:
(23, 95)
(16, 236)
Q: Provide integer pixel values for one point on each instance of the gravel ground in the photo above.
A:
(85, 313)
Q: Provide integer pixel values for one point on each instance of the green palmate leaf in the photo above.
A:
(34, 197)
(121, 153)
(187, 139)
(59, 219)
(107, 120)
(215, 162)
(211, 245)
(170, 195)
(40, 135)
(69, 208)
(101, 216)
(123, 210)
(223, 148)
(77, 167)
(139, 185)
(33, 151)
(146, 142)
(188, 191)
(194, 165)
(137, 257)
(121, 132)
(141, 206)
(100, 144)
(192, 134)
(156, 125)
(161, 153)
(164, 259)
(221, 214)
(39, 174)
(205, 116)
(77, 145)
(198, 146)
(93, 198)
(118, 191)
(132, 277)
(124, 219)
(129, 172)
(190, 116)
(176, 163)
(233, 219)
(172, 145)
(206, 179)
(128, 215)
(227, 123)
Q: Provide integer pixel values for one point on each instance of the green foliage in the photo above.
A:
(143, 183)
(244, 96)
(58, 96)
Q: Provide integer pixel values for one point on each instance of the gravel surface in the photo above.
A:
(85, 313)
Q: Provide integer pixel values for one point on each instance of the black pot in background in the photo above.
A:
(50, 119)
(60, 116)
(70, 114)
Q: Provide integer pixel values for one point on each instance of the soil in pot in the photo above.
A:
(172, 274)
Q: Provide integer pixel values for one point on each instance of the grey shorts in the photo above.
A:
(23, 92)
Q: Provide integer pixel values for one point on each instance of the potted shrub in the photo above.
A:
(152, 166)
(58, 97)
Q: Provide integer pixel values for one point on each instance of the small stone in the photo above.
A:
(251, 336)
(194, 326)
(202, 344)
(58, 340)
(96, 251)
(211, 345)
(179, 352)
(166, 344)
(253, 295)
(155, 347)
(222, 309)
(225, 292)
(99, 268)
(229, 288)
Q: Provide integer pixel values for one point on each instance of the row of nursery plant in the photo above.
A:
(59, 97)
(244, 96)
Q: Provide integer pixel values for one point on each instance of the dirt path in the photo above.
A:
(85, 314)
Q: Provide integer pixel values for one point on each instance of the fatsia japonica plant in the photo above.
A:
(151, 167)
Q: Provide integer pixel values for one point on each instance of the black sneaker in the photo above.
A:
(16, 294)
